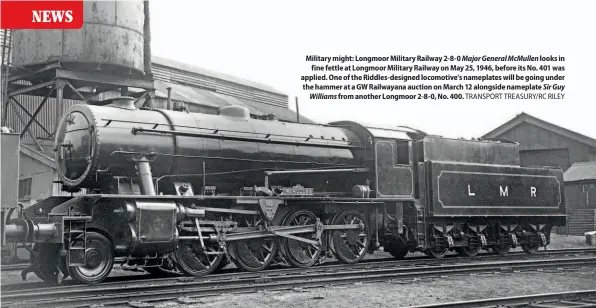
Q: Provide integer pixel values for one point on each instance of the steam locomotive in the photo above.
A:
(191, 192)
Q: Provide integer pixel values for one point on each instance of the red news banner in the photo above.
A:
(25, 14)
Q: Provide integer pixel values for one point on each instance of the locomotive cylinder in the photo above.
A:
(97, 142)
(23, 230)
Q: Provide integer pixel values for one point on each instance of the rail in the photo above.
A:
(149, 292)
(585, 298)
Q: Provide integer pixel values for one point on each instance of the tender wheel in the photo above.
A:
(436, 253)
(99, 256)
(193, 260)
(468, 251)
(300, 254)
(350, 245)
(255, 254)
(502, 250)
(530, 248)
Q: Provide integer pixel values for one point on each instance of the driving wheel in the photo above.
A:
(350, 245)
(194, 260)
(256, 254)
(301, 254)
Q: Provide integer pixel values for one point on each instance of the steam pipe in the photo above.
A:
(186, 213)
(145, 177)
(355, 170)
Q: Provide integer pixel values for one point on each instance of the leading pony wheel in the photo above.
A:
(99, 257)
(350, 245)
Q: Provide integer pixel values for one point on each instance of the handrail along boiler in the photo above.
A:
(190, 192)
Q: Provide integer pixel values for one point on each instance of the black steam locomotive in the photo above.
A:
(170, 190)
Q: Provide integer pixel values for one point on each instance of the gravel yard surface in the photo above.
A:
(406, 293)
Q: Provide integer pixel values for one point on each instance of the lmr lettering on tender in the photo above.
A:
(503, 192)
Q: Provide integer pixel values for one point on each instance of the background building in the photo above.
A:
(544, 144)
(580, 198)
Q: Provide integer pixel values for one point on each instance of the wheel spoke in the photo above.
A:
(350, 246)
(266, 248)
(253, 254)
(194, 260)
(298, 253)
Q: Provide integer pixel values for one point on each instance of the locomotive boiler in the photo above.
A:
(169, 190)
(98, 145)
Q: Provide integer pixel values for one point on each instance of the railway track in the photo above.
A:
(21, 266)
(585, 298)
(14, 267)
(414, 261)
(162, 290)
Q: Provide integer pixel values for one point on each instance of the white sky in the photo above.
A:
(266, 41)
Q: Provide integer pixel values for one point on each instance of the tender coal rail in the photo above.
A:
(83, 296)
(585, 298)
